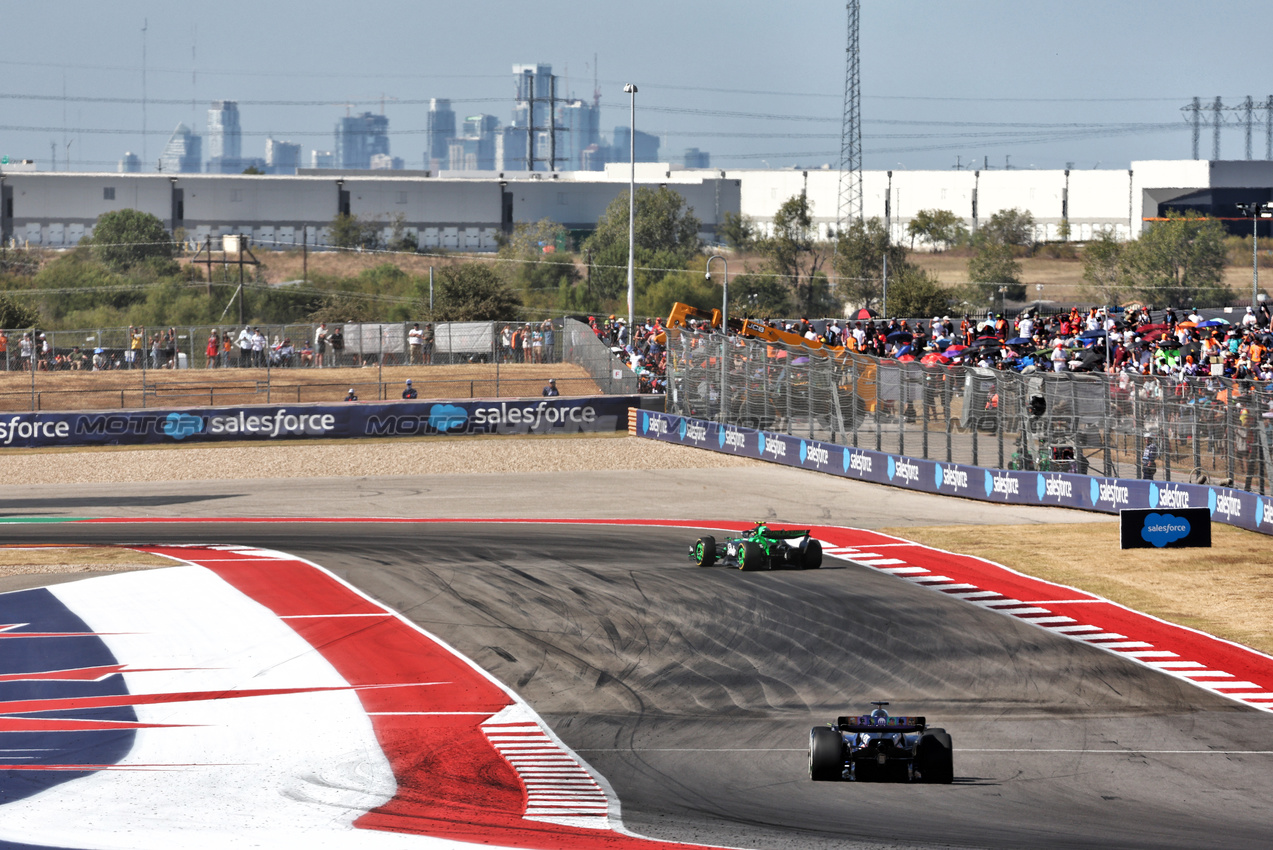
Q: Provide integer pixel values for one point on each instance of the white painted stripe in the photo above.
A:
(1125, 644)
(1149, 653)
(882, 562)
(1218, 686)
(427, 713)
(1026, 613)
(327, 616)
(978, 595)
(952, 587)
(1193, 673)
(1048, 621)
(929, 579)
(1002, 602)
(1167, 665)
(1074, 630)
(1102, 636)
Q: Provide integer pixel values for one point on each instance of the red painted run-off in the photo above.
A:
(452, 782)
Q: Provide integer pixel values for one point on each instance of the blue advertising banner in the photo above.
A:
(385, 419)
(1053, 489)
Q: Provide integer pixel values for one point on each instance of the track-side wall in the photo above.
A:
(1051, 489)
(281, 422)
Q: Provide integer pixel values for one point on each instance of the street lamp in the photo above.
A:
(724, 304)
(631, 90)
(1257, 212)
(724, 331)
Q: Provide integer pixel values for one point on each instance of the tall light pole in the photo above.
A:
(724, 332)
(631, 90)
(1257, 212)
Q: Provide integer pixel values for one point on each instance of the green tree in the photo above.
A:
(737, 231)
(402, 239)
(349, 231)
(252, 169)
(915, 292)
(995, 262)
(472, 292)
(124, 239)
(1009, 227)
(542, 278)
(1105, 269)
(939, 228)
(859, 263)
(1063, 230)
(797, 255)
(666, 238)
(759, 296)
(1179, 262)
(16, 315)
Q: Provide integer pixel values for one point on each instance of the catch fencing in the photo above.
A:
(174, 365)
(1197, 430)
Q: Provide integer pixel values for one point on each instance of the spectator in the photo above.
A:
(136, 339)
(337, 340)
(213, 349)
(351, 395)
(415, 341)
(307, 354)
(258, 348)
(320, 341)
(245, 347)
(426, 344)
(551, 391)
(549, 340)
(410, 391)
(1149, 458)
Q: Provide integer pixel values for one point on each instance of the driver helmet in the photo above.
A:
(878, 713)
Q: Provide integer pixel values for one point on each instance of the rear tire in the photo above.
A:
(826, 754)
(934, 757)
(812, 555)
(705, 551)
(751, 557)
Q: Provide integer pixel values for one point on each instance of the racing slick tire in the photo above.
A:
(751, 557)
(812, 555)
(826, 754)
(934, 757)
(705, 551)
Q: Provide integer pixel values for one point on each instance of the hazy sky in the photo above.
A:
(754, 83)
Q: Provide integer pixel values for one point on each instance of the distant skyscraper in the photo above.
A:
(384, 162)
(322, 159)
(695, 158)
(281, 157)
(647, 146)
(130, 164)
(183, 153)
(582, 122)
(440, 130)
(523, 75)
(224, 134)
(359, 138)
(510, 149)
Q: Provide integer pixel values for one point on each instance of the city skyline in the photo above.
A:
(1090, 84)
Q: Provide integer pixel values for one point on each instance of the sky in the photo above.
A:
(1024, 84)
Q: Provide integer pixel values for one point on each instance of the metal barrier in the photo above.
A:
(1197, 430)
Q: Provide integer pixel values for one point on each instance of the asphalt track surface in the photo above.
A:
(693, 690)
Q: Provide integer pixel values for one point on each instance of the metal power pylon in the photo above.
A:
(850, 205)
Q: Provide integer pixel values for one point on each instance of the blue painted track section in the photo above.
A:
(43, 612)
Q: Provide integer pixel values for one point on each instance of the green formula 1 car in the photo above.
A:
(760, 548)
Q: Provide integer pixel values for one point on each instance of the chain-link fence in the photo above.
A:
(299, 363)
(1202, 430)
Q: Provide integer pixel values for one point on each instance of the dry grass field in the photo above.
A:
(1226, 590)
(189, 387)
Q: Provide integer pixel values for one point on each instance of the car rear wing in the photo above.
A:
(882, 725)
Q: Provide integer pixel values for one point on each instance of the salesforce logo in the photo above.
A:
(1003, 484)
(858, 462)
(1109, 492)
(760, 442)
(681, 431)
(1161, 529)
(1053, 488)
(1263, 512)
(951, 477)
(1167, 497)
(645, 422)
(815, 453)
(1223, 503)
(447, 417)
(182, 425)
(736, 440)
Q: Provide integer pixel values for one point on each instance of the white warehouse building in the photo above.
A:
(465, 211)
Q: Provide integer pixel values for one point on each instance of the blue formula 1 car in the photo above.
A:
(878, 748)
(760, 548)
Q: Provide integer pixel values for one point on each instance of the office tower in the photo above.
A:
(647, 146)
(183, 153)
(439, 131)
(695, 158)
(582, 124)
(281, 157)
(359, 138)
(322, 159)
(523, 76)
(384, 162)
(130, 164)
(225, 138)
